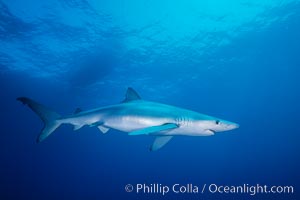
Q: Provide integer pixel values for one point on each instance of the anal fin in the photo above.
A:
(77, 126)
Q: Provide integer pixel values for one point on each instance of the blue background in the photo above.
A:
(236, 60)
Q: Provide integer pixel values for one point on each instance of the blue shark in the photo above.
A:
(135, 117)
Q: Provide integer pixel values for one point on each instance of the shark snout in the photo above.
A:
(224, 126)
(232, 126)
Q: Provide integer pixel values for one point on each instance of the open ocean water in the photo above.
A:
(238, 60)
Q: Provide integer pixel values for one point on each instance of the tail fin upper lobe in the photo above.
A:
(48, 116)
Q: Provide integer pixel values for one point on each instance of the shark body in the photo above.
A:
(136, 117)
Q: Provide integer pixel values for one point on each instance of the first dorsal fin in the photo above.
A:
(131, 95)
(78, 110)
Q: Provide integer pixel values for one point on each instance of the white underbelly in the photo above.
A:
(132, 123)
(184, 131)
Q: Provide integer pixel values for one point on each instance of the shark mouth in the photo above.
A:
(212, 131)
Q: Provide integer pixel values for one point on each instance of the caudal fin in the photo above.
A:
(48, 116)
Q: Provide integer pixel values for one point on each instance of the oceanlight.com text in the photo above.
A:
(250, 189)
(189, 188)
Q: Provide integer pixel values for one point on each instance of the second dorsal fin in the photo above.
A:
(77, 110)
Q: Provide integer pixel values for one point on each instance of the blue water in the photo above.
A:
(237, 60)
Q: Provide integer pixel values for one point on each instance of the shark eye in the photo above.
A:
(217, 121)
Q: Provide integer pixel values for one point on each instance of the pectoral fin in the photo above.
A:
(153, 129)
(159, 142)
